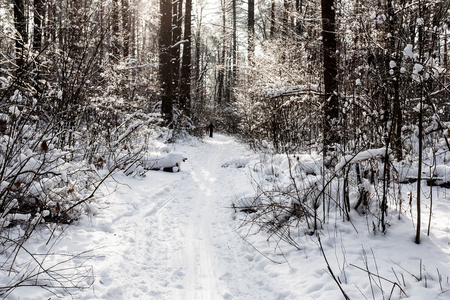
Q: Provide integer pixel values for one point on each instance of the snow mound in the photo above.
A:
(442, 172)
(239, 162)
(164, 161)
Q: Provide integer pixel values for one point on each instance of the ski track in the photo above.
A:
(178, 230)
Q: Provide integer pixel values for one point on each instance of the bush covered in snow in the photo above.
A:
(51, 170)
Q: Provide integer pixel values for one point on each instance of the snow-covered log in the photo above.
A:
(361, 156)
(168, 162)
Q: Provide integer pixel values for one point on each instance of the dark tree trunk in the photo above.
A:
(186, 67)
(39, 11)
(419, 172)
(272, 19)
(397, 115)
(331, 109)
(221, 73)
(20, 23)
(251, 30)
(115, 32)
(126, 23)
(134, 34)
(299, 8)
(234, 51)
(176, 47)
(285, 28)
(420, 125)
(49, 23)
(165, 67)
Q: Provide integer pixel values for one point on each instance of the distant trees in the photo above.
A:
(355, 57)
(340, 78)
(295, 75)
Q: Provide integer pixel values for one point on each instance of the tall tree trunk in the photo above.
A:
(196, 63)
(116, 48)
(126, 27)
(50, 22)
(299, 8)
(445, 53)
(177, 9)
(186, 67)
(420, 125)
(331, 108)
(419, 172)
(39, 12)
(285, 18)
(221, 54)
(165, 67)
(251, 30)
(395, 56)
(134, 33)
(272, 19)
(234, 50)
(20, 24)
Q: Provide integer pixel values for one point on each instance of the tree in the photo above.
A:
(272, 19)
(116, 47)
(20, 23)
(222, 88)
(299, 9)
(186, 67)
(165, 66)
(331, 108)
(177, 10)
(126, 27)
(39, 13)
(251, 30)
(234, 48)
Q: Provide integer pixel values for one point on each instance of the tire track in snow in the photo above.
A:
(220, 265)
(202, 280)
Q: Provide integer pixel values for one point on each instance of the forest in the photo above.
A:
(345, 102)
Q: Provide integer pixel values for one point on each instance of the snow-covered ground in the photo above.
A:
(176, 236)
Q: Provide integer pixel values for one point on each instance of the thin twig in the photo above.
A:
(381, 277)
(330, 270)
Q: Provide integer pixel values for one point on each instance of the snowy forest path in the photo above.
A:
(175, 232)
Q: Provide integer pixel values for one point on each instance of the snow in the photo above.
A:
(408, 51)
(4, 82)
(14, 110)
(158, 161)
(176, 236)
(363, 155)
(442, 172)
(417, 68)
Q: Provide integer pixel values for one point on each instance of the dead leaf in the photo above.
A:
(44, 146)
